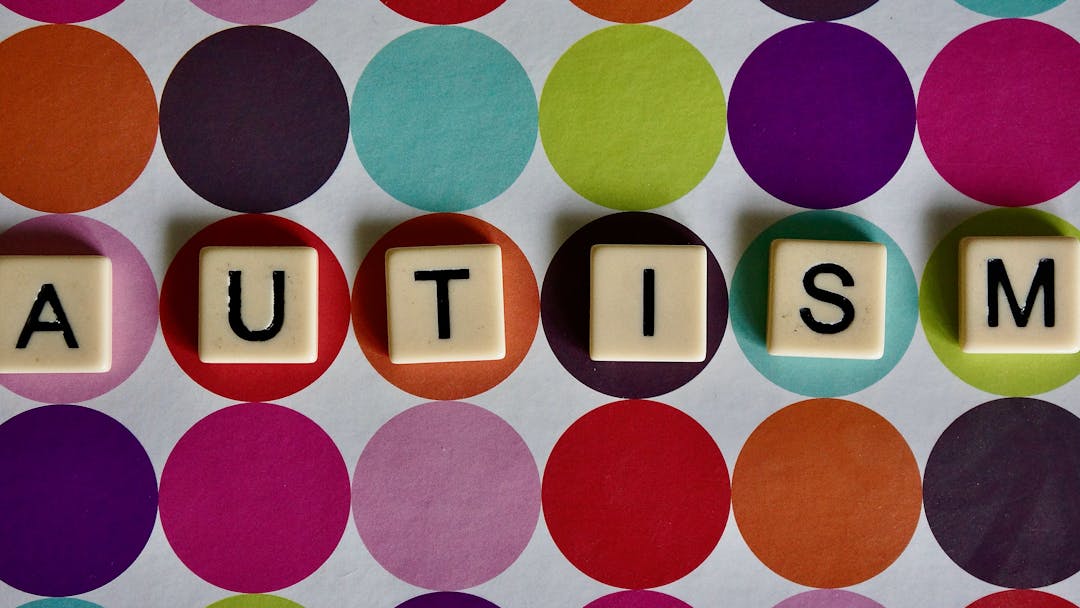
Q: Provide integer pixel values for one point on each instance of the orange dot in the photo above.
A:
(826, 493)
(454, 380)
(630, 11)
(78, 118)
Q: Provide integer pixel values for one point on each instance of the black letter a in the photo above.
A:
(47, 295)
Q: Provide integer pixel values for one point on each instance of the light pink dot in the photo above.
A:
(446, 495)
(253, 13)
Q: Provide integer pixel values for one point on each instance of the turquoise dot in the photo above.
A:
(1010, 8)
(59, 602)
(811, 376)
(444, 119)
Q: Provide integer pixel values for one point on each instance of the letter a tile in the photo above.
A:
(57, 314)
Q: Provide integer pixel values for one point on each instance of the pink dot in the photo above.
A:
(997, 112)
(254, 497)
(446, 495)
(253, 13)
(61, 11)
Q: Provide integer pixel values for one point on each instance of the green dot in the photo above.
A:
(1010, 375)
(255, 601)
(632, 117)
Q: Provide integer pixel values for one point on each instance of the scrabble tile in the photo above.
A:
(826, 299)
(57, 314)
(647, 303)
(258, 305)
(1019, 294)
(445, 304)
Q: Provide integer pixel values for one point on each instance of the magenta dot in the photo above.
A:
(253, 13)
(61, 11)
(446, 495)
(998, 112)
(637, 599)
(254, 497)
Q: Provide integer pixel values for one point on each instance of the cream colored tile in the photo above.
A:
(827, 299)
(57, 314)
(445, 304)
(258, 305)
(1019, 295)
(648, 303)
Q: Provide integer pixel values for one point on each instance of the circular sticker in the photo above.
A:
(1002, 374)
(813, 376)
(251, 381)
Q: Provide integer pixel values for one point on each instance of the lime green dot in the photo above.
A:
(255, 601)
(1010, 375)
(632, 117)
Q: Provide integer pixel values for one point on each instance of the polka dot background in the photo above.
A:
(254, 119)
(444, 131)
(80, 500)
(812, 376)
(997, 111)
(565, 307)
(1015, 374)
(826, 493)
(821, 115)
(456, 380)
(78, 116)
(636, 494)
(134, 304)
(1002, 492)
(224, 489)
(632, 117)
(180, 310)
(446, 495)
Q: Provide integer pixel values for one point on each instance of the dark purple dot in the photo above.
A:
(819, 10)
(821, 115)
(79, 500)
(254, 119)
(447, 599)
(1002, 492)
(564, 307)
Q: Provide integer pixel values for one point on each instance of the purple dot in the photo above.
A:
(1002, 492)
(821, 115)
(254, 119)
(61, 11)
(564, 307)
(828, 598)
(80, 499)
(637, 599)
(447, 599)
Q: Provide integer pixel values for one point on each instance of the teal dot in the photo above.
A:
(59, 602)
(1010, 8)
(444, 119)
(812, 376)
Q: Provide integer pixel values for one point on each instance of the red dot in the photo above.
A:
(438, 12)
(636, 494)
(1022, 599)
